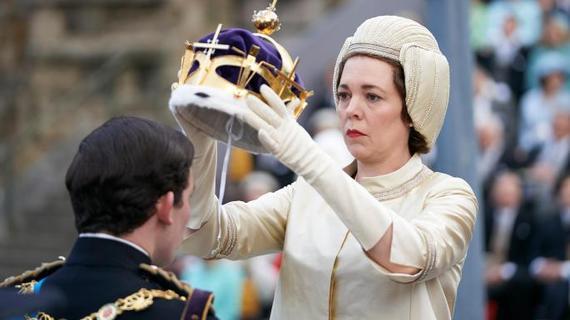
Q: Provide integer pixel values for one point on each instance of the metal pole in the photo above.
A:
(456, 148)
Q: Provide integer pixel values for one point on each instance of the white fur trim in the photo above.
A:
(217, 99)
(209, 109)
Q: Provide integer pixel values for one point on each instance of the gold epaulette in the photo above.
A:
(137, 301)
(167, 279)
(39, 316)
(26, 281)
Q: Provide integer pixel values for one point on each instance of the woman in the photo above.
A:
(385, 238)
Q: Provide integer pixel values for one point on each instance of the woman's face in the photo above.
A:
(370, 109)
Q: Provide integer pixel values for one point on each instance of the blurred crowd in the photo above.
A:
(522, 120)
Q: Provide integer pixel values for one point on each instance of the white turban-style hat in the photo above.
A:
(426, 70)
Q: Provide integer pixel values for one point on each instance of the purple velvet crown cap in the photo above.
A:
(243, 40)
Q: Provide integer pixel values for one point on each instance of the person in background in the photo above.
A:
(493, 100)
(552, 161)
(539, 105)
(492, 148)
(551, 267)
(554, 40)
(510, 231)
(510, 55)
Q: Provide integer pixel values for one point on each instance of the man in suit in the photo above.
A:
(509, 242)
(552, 266)
(130, 184)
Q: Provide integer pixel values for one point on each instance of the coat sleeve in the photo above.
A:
(438, 238)
(245, 229)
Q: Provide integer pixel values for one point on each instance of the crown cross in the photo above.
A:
(212, 44)
(272, 6)
(246, 72)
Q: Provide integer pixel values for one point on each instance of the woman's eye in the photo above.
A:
(341, 96)
(372, 97)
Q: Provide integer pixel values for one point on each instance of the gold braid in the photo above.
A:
(137, 301)
(26, 279)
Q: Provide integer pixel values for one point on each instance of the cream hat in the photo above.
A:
(426, 70)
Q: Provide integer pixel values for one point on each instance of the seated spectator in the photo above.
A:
(509, 231)
(510, 55)
(527, 14)
(554, 39)
(493, 99)
(539, 105)
(491, 149)
(552, 266)
(553, 159)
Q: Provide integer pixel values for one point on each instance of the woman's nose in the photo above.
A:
(353, 108)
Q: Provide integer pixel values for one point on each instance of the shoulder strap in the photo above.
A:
(198, 302)
(28, 279)
(199, 305)
(166, 279)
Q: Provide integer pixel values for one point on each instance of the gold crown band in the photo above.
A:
(281, 80)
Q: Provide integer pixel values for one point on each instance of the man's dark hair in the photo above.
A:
(121, 169)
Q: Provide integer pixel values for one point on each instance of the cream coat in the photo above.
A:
(325, 273)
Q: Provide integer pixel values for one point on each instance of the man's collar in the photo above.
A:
(102, 235)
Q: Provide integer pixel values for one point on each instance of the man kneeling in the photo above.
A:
(130, 184)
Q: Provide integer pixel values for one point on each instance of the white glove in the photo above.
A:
(203, 165)
(361, 213)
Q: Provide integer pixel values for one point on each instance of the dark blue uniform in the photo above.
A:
(110, 277)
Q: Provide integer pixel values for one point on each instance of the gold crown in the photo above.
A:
(281, 80)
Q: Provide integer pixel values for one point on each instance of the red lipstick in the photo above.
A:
(352, 133)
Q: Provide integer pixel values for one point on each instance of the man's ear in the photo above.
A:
(164, 206)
